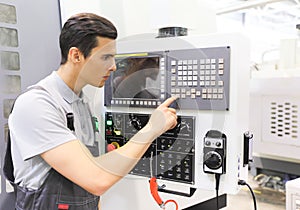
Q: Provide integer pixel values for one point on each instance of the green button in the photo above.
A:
(108, 122)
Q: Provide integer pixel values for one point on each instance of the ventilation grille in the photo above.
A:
(280, 119)
(284, 120)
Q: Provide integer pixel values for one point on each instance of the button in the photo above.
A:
(111, 147)
(108, 132)
(207, 143)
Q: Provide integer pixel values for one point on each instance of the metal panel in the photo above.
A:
(29, 50)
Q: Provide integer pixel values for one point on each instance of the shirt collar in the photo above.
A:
(66, 92)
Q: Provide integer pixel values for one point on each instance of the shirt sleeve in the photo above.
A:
(38, 124)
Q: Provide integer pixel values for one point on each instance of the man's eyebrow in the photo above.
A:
(109, 54)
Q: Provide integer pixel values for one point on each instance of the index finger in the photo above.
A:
(169, 101)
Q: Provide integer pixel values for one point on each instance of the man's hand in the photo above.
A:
(163, 118)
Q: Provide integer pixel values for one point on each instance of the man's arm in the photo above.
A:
(96, 175)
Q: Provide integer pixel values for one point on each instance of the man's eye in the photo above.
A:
(106, 57)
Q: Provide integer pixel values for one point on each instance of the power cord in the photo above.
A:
(217, 178)
(242, 182)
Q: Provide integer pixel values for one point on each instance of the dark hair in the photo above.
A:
(81, 31)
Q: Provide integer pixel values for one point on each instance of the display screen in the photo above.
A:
(136, 78)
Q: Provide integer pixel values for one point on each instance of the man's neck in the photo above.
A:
(70, 77)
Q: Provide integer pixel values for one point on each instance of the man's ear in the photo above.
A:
(75, 56)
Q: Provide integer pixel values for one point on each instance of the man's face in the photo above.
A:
(100, 63)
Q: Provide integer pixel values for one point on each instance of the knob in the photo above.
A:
(218, 144)
(213, 160)
(135, 122)
(207, 143)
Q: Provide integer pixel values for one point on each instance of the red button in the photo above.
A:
(110, 147)
(62, 206)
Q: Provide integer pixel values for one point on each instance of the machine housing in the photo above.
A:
(225, 111)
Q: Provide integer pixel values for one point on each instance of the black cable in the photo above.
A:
(217, 178)
(242, 182)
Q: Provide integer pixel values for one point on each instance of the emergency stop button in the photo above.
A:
(112, 146)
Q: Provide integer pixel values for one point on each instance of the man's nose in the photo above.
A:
(113, 67)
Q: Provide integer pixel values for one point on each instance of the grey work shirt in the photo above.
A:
(38, 123)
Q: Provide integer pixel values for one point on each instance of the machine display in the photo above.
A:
(198, 77)
(173, 152)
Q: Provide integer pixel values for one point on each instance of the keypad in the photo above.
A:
(198, 78)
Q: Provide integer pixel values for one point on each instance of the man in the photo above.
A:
(52, 136)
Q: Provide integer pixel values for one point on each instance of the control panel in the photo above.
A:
(171, 155)
(198, 77)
